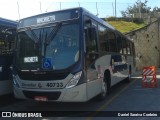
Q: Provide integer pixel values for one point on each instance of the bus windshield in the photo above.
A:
(48, 48)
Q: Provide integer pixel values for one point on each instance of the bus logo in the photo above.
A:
(47, 63)
(39, 85)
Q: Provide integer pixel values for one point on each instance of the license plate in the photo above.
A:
(40, 98)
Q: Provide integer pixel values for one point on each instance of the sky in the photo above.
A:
(18, 9)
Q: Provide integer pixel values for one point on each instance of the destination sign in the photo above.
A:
(46, 19)
(56, 16)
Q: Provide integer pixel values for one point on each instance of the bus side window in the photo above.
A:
(119, 44)
(103, 38)
(112, 41)
(91, 45)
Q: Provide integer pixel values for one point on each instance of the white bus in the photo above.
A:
(7, 38)
(70, 56)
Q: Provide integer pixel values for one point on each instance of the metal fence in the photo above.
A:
(101, 9)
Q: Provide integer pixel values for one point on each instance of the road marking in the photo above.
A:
(109, 101)
(143, 89)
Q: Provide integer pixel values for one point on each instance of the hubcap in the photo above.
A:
(104, 89)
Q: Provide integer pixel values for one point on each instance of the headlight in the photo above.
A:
(73, 82)
(15, 81)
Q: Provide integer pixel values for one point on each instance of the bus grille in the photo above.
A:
(47, 76)
(49, 95)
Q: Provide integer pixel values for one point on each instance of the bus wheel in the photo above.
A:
(108, 86)
(105, 86)
(104, 90)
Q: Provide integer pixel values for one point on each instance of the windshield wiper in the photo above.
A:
(51, 36)
(53, 33)
(33, 35)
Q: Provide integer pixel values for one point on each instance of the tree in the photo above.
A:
(137, 9)
(156, 9)
(155, 12)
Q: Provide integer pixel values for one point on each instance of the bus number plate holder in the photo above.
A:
(40, 98)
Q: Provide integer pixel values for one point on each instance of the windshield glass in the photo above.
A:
(48, 48)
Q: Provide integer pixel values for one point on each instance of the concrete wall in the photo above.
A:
(147, 45)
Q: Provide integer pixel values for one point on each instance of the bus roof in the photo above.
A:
(61, 15)
(9, 23)
(65, 15)
(49, 17)
(97, 18)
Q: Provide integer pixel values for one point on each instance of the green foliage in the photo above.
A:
(135, 20)
(155, 12)
(124, 26)
(138, 7)
(112, 18)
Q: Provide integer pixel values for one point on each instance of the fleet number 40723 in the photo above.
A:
(56, 85)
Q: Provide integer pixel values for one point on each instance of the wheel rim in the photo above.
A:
(104, 89)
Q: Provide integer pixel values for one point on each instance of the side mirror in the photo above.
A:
(92, 33)
(9, 32)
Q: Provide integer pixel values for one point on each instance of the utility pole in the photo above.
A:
(40, 6)
(18, 10)
(60, 5)
(140, 9)
(115, 9)
(79, 4)
(97, 9)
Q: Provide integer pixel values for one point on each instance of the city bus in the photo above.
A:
(69, 55)
(7, 39)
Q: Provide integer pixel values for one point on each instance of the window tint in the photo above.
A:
(7, 38)
(103, 38)
(91, 37)
(119, 44)
(112, 41)
(107, 39)
(91, 42)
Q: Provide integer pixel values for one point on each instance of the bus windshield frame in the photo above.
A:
(48, 47)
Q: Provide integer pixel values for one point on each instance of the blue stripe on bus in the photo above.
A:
(117, 65)
(120, 67)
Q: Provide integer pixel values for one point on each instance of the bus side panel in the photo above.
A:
(102, 64)
(119, 68)
(76, 94)
(6, 87)
(94, 87)
(5, 75)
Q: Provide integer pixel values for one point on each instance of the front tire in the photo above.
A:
(103, 95)
(106, 84)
